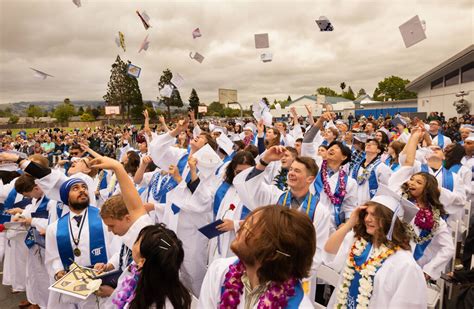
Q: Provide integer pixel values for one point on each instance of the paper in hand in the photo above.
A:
(225, 144)
(210, 230)
(207, 160)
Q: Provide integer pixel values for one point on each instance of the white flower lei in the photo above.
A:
(366, 280)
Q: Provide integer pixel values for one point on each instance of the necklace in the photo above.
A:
(338, 196)
(76, 251)
(426, 219)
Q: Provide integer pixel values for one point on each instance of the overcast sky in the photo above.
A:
(77, 46)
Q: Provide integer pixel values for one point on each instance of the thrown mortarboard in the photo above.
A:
(120, 40)
(324, 24)
(77, 3)
(470, 137)
(166, 91)
(197, 56)
(261, 40)
(266, 57)
(207, 160)
(398, 120)
(413, 31)
(41, 74)
(177, 80)
(133, 70)
(197, 33)
(145, 44)
(145, 19)
(361, 137)
(401, 207)
(225, 143)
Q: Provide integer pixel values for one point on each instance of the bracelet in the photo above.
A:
(18, 161)
(263, 162)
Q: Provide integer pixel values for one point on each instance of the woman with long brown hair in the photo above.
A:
(373, 247)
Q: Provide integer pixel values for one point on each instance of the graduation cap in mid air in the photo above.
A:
(77, 3)
(197, 56)
(261, 40)
(324, 24)
(413, 31)
(145, 44)
(145, 19)
(166, 91)
(133, 70)
(120, 40)
(196, 33)
(41, 74)
(266, 57)
(177, 80)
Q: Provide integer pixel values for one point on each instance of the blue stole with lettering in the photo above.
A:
(318, 187)
(448, 179)
(40, 211)
(354, 287)
(373, 184)
(293, 303)
(312, 200)
(420, 248)
(97, 249)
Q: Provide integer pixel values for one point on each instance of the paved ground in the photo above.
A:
(7, 299)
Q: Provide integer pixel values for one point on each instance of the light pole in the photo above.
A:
(241, 109)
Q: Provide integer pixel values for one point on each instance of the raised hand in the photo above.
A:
(101, 162)
(274, 153)
(147, 160)
(145, 114)
(260, 128)
(174, 172)
(354, 218)
(192, 162)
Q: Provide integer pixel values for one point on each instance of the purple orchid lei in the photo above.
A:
(424, 219)
(337, 197)
(276, 295)
(127, 289)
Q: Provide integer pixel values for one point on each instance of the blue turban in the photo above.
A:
(66, 187)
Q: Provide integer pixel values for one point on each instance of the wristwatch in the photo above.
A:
(263, 162)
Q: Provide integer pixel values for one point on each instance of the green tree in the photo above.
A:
(215, 109)
(123, 89)
(95, 112)
(289, 99)
(194, 102)
(34, 111)
(87, 117)
(80, 111)
(13, 119)
(361, 92)
(175, 99)
(64, 111)
(349, 94)
(327, 92)
(393, 87)
(151, 111)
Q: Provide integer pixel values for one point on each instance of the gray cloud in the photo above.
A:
(76, 45)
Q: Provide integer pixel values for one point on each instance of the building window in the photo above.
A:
(467, 73)
(437, 83)
(452, 78)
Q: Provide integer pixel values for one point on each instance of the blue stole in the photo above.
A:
(440, 140)
(59, 209)
(171, 183)
(448, 179)
(373, 184)
(318, 186)
(103, 182)
(455, 168)
(420, 248)
(97, 248)
(40, 211)
(395, 167)
(312, 200)
(293, 303)
(354, 288)
(226, 159)
(387, 161)
(10, 201)
(324, 143)
(220, 193)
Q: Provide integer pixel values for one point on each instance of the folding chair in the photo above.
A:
(329, 275)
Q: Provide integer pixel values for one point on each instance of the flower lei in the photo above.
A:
(425, 219)
(337, 197)
(361, 179)
(275, 296)
(367, 271)
(127, 289)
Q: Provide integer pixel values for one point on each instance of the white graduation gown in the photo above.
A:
(382, 173)
(435, 140)
(212, 284)
(53, 261)
(255, 193)
(398, 283)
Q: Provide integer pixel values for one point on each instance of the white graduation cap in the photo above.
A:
(470, 137)
(225, 143)
(468, 126)
(207, 160)
(144, 18)
(324, 24)
(278, 106)
(197, 33)
(250, 126)
(120, 40)
(361, 137)
(77, 3)
(145, 44)
(384, 130)
(266, 57)
(261, 40)
(41, 74)
(398, 120)
(220, 129)
(413, 31)
(133, 70)
(166, 91)
(401, 207)
(177, 80)
(197, 56)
